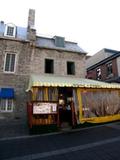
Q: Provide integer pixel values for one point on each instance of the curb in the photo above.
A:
(57, 133)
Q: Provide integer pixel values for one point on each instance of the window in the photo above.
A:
(59, 41)
(9, 65)
(6, 105)
(49, 66)
(109, 69)
(45, 94)
(98, 73)
(10, 30)
(71, 68)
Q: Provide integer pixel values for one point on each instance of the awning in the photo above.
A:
(66, 81)
(7, 93)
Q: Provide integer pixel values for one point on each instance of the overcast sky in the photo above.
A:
(93, 24)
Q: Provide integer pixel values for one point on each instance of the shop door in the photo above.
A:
(65, 107)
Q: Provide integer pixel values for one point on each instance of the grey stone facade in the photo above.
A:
(30, 60)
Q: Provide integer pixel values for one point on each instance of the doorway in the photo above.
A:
(66, 107)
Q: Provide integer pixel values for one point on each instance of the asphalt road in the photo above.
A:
(99, 143)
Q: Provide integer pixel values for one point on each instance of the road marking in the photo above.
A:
(65, 150)
(56, 133)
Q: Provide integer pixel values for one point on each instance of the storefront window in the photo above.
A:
(100, 103)
(45, 94)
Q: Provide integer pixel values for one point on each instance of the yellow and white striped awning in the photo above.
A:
(65, 81)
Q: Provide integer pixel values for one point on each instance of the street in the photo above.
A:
(99, 143)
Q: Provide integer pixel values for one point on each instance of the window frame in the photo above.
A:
(111, 73)
(6, 105)
(98, 77)
(72, 63)
(8, 71)
(6, 30)
(52, 69)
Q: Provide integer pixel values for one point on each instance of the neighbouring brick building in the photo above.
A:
(22, 53)
(104, 66)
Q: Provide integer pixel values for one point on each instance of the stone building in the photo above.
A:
(22, 53)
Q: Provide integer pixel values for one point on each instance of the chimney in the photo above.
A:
(31, 32)
(2, 22)
(31, 18)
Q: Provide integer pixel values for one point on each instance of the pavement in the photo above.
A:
(20, 129)
(15, 128)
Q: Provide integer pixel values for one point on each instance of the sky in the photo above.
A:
(93, 24)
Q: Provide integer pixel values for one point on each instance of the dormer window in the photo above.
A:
(10, 30)
(59, 41)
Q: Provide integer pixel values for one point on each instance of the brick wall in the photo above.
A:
(92, 73)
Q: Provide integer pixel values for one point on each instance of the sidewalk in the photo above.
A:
(13, 129)
(17, 128)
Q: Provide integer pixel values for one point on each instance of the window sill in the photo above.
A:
(110, 75)
(8, 72)
(6, 111)
(9, 36)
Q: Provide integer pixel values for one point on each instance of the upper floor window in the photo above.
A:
(98, 73)
(49, 66)
(109, 69)
(9, 65)
(71, 68)
(10, 30)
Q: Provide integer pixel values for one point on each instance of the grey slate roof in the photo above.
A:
(100, 56)
(50, 43)
(113, 56)
(21, 33)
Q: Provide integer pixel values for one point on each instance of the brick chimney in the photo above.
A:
(31, 31)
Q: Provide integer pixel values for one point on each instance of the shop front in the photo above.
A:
(72, 101)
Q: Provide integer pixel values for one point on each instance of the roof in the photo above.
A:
(62, 81)
(21, 32)
(43, 42)
(111, 50)
(99, 56)
(104, 61)
(50, 43)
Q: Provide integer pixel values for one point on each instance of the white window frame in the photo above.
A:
(6, 106)
(14, 30)
(14, 63)
(98, 74)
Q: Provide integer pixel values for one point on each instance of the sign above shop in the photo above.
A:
(44, 108)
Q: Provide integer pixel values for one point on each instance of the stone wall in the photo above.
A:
(19, 83)
(30, 60)
(17, 80)
(60, 58)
